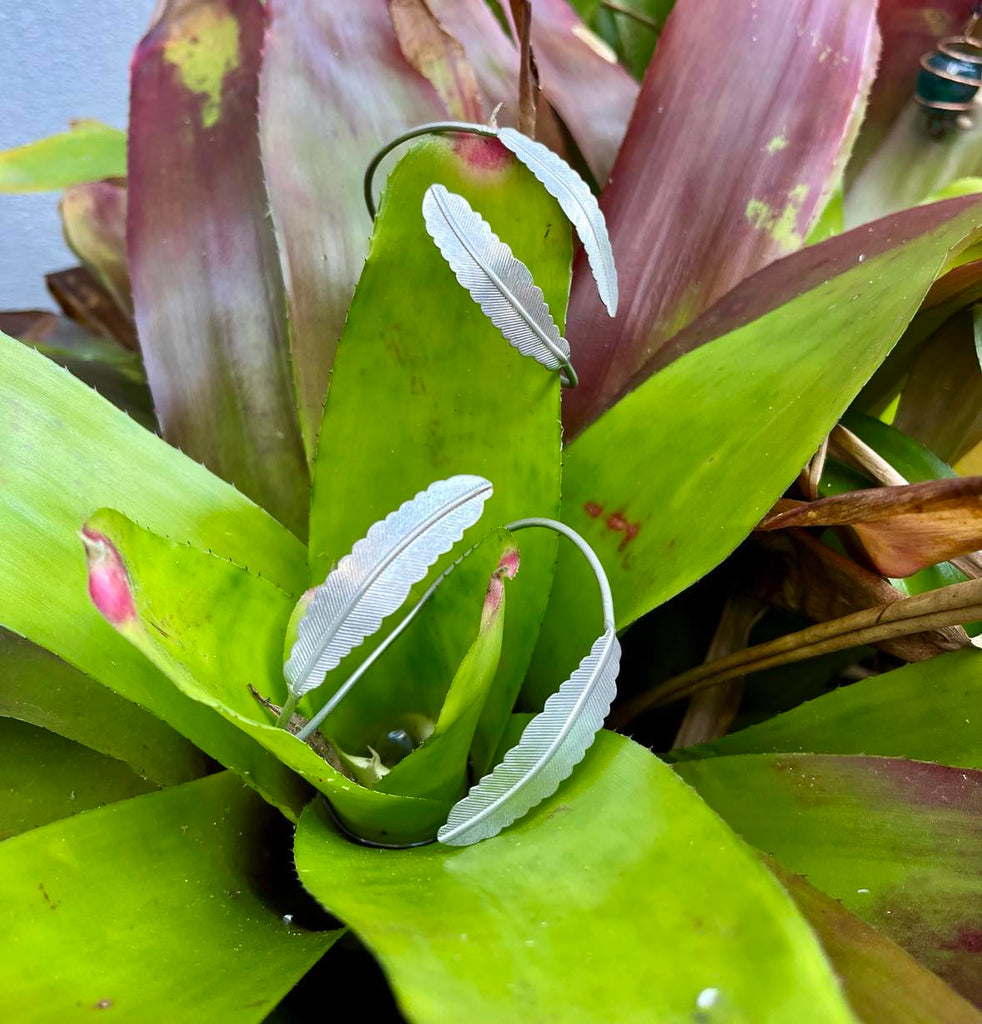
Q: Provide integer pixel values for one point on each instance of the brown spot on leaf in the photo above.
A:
(52, 904)
(592, 509)
(618, 521)
(103, 1004)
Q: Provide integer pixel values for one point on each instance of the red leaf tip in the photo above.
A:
(507, 567)
(109, 582)
(481, 153)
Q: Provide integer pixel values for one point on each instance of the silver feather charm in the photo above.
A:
(375, 578)
(498, 282)
(553, 743)
(577, 202)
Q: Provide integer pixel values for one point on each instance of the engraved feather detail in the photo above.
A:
(553, 743)
(374, 579)
(577, 202)
(497, 281)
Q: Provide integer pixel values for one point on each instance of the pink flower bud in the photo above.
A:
(109, 583)
(507, 567)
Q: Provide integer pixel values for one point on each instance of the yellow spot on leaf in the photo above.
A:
(781, 225)
(776, 144)
(204, 47)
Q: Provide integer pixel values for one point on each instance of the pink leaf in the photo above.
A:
(727, 162)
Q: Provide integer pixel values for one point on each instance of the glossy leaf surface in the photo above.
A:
(44, 777)
(753, 407)
(150, 904)
(213, 630)
(881, 981)
(334, 89)
(701, 195)
(209, 298)
(557, 917)
(898, 842)
(42, 690)
(90, 151)
(438, 768)
(448, 394)
(117, 374)
(49, 490)
(925, 712)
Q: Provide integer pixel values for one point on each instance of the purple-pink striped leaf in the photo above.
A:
(726, 164)
(578, 75)
(581, 78)
(335, 87)
(207, 289)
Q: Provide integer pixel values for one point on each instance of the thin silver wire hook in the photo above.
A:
(432, 128)
(607, 605)
(568, 377)
(606, 600)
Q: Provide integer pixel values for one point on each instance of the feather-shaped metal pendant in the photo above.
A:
(551, 746)
(374, 579)
(498, 282)
(577, 202)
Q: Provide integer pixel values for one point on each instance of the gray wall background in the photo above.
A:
(61, 59)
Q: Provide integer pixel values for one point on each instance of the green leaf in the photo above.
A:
(409, 687)
(909, 165)
(898, 842)
(115, 372)
(881, 981)
(564, 915)
(89, 152)
(633, 37)
(65, 452)
(752, 407)
(213, 630)
(927, 711)
(207, 289)
(38, 688)
(44, 777)
(424, 386)
(438, 768)
(153, 909)
(909, 457)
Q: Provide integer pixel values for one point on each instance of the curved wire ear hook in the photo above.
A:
(433, 128)
(587, 693)
(606, 597)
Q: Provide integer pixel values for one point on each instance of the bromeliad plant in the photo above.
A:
(598, 882)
